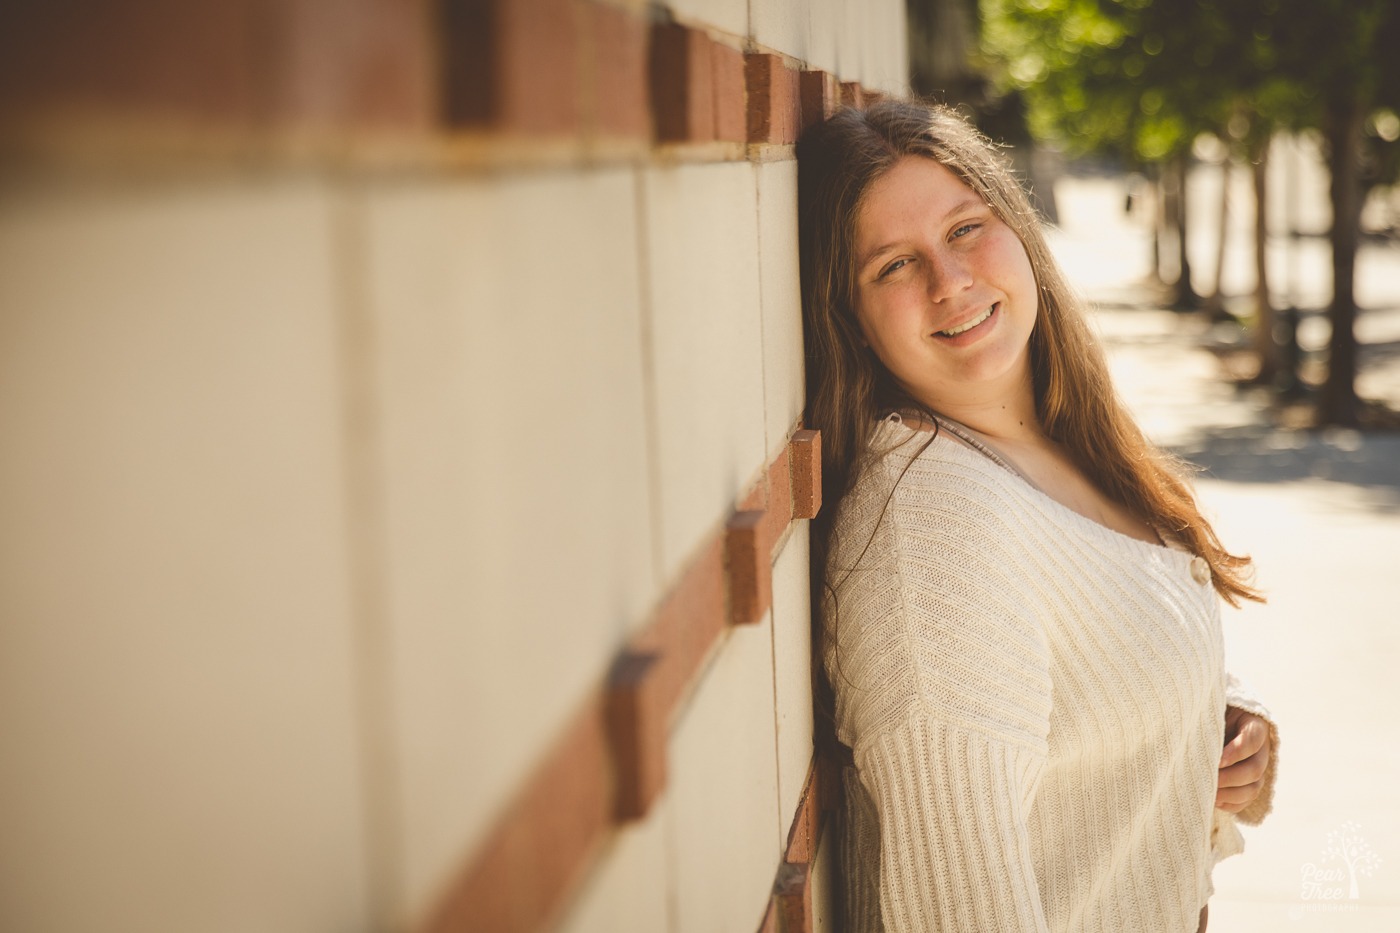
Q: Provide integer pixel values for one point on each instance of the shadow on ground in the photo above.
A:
(1257, 453)
(1379, 354)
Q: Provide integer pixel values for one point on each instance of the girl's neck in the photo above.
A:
(1008, 416)
(1004, 412)
(999, 420)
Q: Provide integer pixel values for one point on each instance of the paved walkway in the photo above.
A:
(1320, 513)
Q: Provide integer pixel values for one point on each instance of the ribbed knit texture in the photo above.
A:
(1035, 704)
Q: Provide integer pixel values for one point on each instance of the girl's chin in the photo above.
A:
(988, 378)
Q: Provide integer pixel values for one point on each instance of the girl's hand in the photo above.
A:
(1244, 760)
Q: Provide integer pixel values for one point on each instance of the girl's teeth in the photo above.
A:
(953, 332)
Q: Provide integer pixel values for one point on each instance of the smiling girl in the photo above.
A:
(1020, 597)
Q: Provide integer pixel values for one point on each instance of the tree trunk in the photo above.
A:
(1159, 222)
(1215, 304)
(1158, 231)
(1265, 344)
(1339, 403)
(1185, 295)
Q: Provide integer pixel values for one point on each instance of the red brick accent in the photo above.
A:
(731, 116)
(637, 722)
(241, 65)
(806, 822)
(360, 64)
(547, 836)
(821, 96)
(806, 453)
(685, 626)
(792, 890)
(793, 897)
(852, 95)
(167, 58)
(749, 567)
(618, 46)
(774, 99)
(610, 763)
(511, 65)
(772, 497)
(682, 84)
(770, 919)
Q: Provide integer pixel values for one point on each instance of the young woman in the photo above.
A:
(1020, 618)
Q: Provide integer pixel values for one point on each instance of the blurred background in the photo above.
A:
(403, 488)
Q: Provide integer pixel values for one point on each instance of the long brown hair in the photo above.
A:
(848, 389)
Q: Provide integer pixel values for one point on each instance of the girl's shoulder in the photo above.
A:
(913, 477)
(915, 454)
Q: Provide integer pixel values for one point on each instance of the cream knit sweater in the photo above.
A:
(1035, 704)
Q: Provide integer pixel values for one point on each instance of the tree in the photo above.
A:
(1144, 77)
(1342, 53)
(1132, 77)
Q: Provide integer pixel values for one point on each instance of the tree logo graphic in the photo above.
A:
(1347, 845)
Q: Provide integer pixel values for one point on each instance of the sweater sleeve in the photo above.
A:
(954, 852)
(1239, 695)
(945, 687)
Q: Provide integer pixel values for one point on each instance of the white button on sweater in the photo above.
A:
(1035, 704)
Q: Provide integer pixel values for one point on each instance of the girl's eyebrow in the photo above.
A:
(972, 200)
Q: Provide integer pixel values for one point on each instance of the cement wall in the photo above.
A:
(374, 376)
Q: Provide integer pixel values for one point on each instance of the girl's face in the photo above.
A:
(945, 293)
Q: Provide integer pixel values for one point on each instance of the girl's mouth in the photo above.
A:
(964, 328)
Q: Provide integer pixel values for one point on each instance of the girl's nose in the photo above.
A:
(949, 275)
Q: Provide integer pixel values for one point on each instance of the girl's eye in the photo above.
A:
(893, 267)
(964, 230)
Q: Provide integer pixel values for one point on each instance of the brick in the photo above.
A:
(773, 99)
(686, 625)
(511, 66)
(538, 66)
(540, 848)
(772, 497)
(167, 58)
(793, 897)
(806, 447)
(802, 837)
(748, 567)
(682, 84)
(821, 96)
(239, 64)
(779, 508)
(731, 117)
(852, 95)
(637, 721)
(618, 44)
(362, 64)
(353, 64)
(770, 919)
(628, 885)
